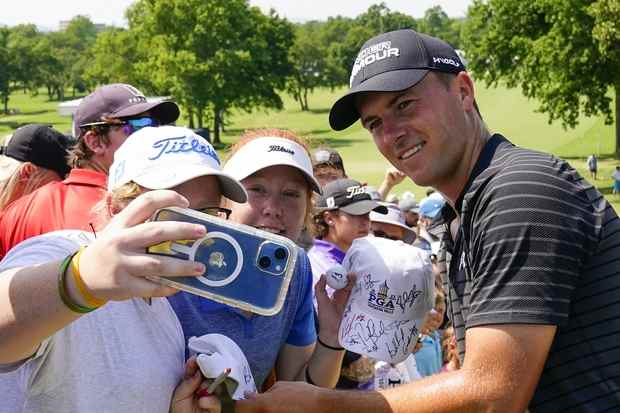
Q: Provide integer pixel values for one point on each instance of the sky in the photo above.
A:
(48, 14)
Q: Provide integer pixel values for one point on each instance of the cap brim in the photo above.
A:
(364, 207)
(410, 236)
(229, 186)
(262, 164)
(344, 112)
(165, 111)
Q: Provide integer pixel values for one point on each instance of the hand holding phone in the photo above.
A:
(246, 268)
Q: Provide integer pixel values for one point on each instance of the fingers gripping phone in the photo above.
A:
(247, 268)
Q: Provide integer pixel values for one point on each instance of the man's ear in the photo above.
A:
(465, 86)
(27, 170)
(94, 142)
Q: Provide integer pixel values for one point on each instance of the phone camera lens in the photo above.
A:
(264, 262)
(280, 253)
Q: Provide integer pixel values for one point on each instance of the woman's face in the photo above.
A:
(277, 201)
(345, 228)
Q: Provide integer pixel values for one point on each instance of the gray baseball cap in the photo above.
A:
(349, 196)
(119, 100)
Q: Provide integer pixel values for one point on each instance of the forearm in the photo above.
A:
(384, 188)
(446, 392)
(323, 367)
(30, 310)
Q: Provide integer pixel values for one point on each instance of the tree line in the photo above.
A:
(218, 55)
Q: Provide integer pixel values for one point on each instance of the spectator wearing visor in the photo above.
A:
(103, 121)
(327, 165)
(34, 156)
(342, 215)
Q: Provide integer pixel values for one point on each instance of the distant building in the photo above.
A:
(62, 26)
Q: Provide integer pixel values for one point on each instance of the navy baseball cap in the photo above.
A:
(391, 62)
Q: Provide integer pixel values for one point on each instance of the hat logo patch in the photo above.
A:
(181, 144)
(373, 54)
(331, 202)
(355, 190)
(138, 96)
(446, 61)
(280, 148)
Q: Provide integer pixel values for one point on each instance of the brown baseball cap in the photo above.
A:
(120, 100)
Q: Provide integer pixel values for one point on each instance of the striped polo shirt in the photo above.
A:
(540, 245)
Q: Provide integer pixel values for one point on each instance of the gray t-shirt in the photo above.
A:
(127, 356)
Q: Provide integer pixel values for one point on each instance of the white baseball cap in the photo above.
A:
(216, 352)
(396, 217)
(269, 151)
(167, 156)
(393, 293)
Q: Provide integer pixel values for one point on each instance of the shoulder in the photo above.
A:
(48, 247)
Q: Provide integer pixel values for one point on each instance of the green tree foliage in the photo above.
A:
(564, 54)
(437, 23)
(6, 71)
(307, 56)
(213, 56)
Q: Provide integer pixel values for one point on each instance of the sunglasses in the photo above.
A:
(382, 234)
(219, 212)
(129, 126)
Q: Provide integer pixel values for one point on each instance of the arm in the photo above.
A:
(500, 372)
(392, 178)
(112, 268)
(323, 364)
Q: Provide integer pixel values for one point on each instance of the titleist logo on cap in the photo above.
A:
(373, 54)
(280, 148)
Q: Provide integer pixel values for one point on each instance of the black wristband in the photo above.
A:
(328, 346)
(308, 378)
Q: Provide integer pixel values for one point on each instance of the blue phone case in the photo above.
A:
(246, 268)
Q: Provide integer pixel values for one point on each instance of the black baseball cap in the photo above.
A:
(349, 196)
(120, 100)
(40, 145)
(391, 62)
(327, 156)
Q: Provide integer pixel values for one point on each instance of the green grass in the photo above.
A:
(505, 111)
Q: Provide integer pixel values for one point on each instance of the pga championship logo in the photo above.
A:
(382, 300)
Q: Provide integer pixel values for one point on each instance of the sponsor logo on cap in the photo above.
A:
(182, 144)
(280, 148)
(355, 190)
(446, 61)
(138, 97)
(373, 54)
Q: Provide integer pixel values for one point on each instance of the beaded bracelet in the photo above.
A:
(89, 298)
(62, 288)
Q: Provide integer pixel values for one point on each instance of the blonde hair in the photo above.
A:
(13, 182)
(254, 134)
(114, 202)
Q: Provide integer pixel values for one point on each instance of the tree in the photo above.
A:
(437, 23)
(564, 54)
(213, 56)
(7, 68)
(308, 64)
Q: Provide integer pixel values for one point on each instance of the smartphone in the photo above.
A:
(247, 268)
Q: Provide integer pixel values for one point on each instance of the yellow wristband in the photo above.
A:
(90, 299)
